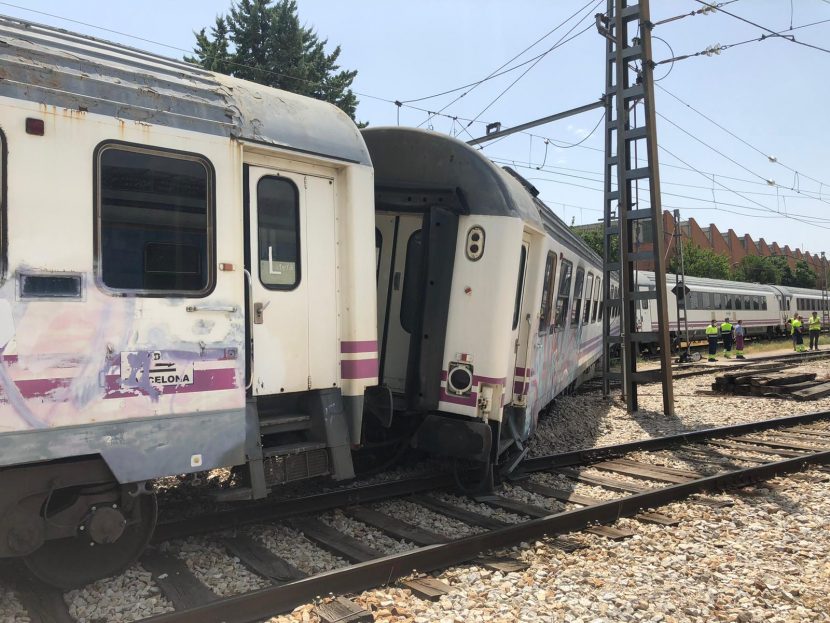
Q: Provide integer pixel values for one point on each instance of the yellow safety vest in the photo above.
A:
(726, 327)
(815, 323)
(710, 330)
(795, 324)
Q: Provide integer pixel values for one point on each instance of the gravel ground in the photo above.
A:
(763, 559)
(293, 547)
(427, 519)
(367, 535)
(10, 608)
(587, 420)
(127, 597)
(216, 569)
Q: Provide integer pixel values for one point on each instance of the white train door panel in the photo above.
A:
(401, 250)
(293, 287)
(521, 328)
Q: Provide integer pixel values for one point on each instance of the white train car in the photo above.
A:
(764, 309)
(187, 283)
(488, 306)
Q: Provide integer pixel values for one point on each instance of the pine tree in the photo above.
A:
(264, 42)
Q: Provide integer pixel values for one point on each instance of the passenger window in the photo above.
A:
(729, 304)
(577, 306)
(738, 302)
(589, 294)
(764, 303)
(563, 298)
(155, 221)
(547, 292)
(278, 218)
(756, 303)
(520, 287)
(747, 301)
(597, 299)
(412, 282)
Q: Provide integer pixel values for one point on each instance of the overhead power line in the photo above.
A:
(769, 30)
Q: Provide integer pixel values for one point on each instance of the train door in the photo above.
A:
(292, 287)
(400, 254)
(416, 254)
(521, 328)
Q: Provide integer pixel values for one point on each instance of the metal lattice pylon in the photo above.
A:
(630, 83)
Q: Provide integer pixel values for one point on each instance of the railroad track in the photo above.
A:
(541, 497)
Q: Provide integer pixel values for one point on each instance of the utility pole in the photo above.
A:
(630, 82)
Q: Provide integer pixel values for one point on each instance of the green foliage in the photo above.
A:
(593, 238)
(756, 269)
(264, 42)
(805, 277)
(699, 262)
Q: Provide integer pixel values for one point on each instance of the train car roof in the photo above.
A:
(414, 158)
(703, 283)
(66, 70)
(792, 290)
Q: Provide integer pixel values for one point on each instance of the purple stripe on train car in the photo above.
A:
(359, 369)
(519, 387)
(524, 372)
(10, 358)
(203, 381)
(467, 401)
(37, 388)
(360, 346)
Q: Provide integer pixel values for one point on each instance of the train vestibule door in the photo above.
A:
(400, 247)
(522, 321)
(292, 289)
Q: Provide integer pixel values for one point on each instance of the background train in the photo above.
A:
(194, 275)
(764, 309)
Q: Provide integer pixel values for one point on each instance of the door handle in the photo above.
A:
(259, 308)
(249, 282)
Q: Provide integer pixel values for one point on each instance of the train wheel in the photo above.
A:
(106, 544)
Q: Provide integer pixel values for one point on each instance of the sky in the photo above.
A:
(773, 93)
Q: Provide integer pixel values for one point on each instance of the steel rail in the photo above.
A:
(268, 602)
(592, 455)
(294, 507)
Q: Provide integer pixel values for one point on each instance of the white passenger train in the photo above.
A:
(764, 309)
(488, 305)
(187, 283)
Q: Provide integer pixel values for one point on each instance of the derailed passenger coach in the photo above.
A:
(488, 305)
(187, 283)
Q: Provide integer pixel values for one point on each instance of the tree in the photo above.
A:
(783, 268)
(264, 42)
(805, 277)
(699, 262)
(757, 269)
(593, 238)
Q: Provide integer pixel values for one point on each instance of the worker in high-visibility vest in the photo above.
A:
(726, 335)
(798, 337)
(739, 340)
(712, 333)
(814, 323)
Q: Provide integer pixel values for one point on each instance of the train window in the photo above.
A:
(579, 282)
(747, 301)
(278, 218)
(729, 301)
(597, 298)
(412, 282)
(764, 303)
(155, 220)
(756, 302)
(563, 298)
(589, 293)
(520, 287)
(738, 299)
(547, 292)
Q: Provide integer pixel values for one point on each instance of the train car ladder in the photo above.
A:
(629, 83)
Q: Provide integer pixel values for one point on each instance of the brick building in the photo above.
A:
(728, 243)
